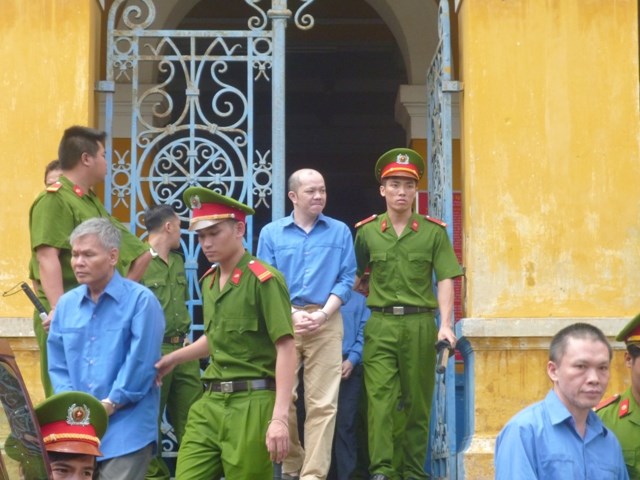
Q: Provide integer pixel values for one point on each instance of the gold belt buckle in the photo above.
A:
(226, 387)
(398, 310)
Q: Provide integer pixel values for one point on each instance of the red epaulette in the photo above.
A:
(212, 270)
(623, 410)
(366, 220)
(260, 271)
(54, 187)
(608, 401)
(437, 221)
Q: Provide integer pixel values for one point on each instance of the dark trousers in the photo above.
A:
(345, 452)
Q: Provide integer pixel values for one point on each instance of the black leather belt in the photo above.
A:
(174, 340)
(241, 385)
(402, 310)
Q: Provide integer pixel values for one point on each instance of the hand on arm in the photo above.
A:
(445, 303)
(196, 350)
(277, 438)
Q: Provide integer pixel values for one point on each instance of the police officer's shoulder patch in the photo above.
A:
(623, 409)
(437, 221)
(259, 270)
(366, 220)
(607, 401)
(54, 187)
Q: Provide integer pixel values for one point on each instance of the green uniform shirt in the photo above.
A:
(402, 267)
(622, 417)
(169, 284)
(243, 321)
(55, 213)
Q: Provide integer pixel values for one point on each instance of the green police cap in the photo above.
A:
(630, 334)
(400, 162)
(209, 207)
(72, 422)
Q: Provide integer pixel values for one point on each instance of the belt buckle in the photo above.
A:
(226, 387)
(398, 310)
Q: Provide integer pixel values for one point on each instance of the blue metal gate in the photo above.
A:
(190, 98)
(439, 158)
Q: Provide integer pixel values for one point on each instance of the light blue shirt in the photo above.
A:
(109, 349)
(354, 316)
(315, 264)
(542, 442)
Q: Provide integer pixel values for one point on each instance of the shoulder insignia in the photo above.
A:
(437, 221)
(235, 278)
(54, 187)
(607, 401)
(383, 225)
(623, 410)
(212, 272)
(366, 220)
(414, 225)
(260, 271)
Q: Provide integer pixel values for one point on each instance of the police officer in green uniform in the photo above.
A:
(240, 425)
(621, 413)
(54, 214)
(402, 250)
(165, 277)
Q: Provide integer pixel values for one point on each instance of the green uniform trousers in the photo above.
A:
(226, 435)
(41, 338)
(399, 362)
(180, 389)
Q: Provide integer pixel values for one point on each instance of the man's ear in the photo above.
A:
(292, 196)
(552, 370)
(241, 228)
(382, 191)
(113, 256)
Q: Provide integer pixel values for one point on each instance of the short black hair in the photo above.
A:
(577, 330)
(76, 141)
(156, 216)
(634, 350)
(52, 165)
(62, 456)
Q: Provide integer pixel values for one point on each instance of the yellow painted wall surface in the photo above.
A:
(550, 157)
(49, 52)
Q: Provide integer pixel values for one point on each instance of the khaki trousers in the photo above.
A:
(321, 355)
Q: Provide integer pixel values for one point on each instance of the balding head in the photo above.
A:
(299, 177)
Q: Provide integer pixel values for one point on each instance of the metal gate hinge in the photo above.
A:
(452, 86)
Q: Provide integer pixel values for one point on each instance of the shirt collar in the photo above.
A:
(288, 221)
(76, 189)
(558, 413)
(114, 288)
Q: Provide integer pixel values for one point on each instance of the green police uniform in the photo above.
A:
(399, 353)
(621, 413)
(182, 387)
(54, 214)
(226, 431)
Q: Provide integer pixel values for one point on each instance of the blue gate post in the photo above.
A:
(439, 158)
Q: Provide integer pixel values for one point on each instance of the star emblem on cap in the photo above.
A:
(402, 159)
(195, 202)
(78, 415)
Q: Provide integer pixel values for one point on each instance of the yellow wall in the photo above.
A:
(550, 163)
(49, 52)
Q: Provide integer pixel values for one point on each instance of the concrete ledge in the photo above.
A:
(16, 327)
(533, 327)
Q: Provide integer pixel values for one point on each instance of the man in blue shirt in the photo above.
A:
(315, 254)
(104, 340)
(354, 314)
(561, 437)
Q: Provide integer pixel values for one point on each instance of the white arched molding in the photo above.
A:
(411, 112)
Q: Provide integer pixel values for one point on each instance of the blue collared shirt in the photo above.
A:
(354, 316)
(541, 442)
(109, 349)
(315, 264)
